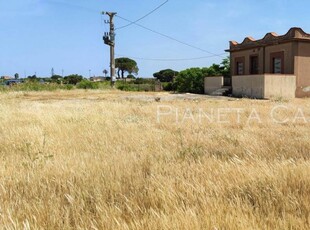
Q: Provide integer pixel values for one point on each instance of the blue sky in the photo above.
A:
(38, 35)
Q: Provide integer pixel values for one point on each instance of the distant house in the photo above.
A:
(6, 78)
(97, 79)
(272, 66)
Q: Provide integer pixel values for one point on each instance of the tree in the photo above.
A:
(225, 67)
(191, 80)
(55, 78)
(16, 76)
(213, 70)
(33, 78)
(105, 72)
(126, 65)
(166, 75)
(73, 79)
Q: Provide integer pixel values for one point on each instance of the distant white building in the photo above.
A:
(97, 79)
(6, 78)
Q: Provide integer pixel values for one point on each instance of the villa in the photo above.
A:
(274, 66)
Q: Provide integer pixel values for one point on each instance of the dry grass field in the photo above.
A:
(115, 160)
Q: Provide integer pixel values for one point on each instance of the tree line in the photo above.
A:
(190, 80)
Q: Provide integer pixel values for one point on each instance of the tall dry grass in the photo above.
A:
(96, 160)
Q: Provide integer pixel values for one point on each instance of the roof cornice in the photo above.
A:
(293, 34)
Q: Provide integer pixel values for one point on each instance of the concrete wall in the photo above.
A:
(212, 84)
(248, 86)
(279, 85)
(264, 86)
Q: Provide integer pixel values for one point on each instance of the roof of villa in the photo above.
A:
(272, 38)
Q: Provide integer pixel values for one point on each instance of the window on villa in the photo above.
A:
(239, 66)
(277, 63)
(254, 65)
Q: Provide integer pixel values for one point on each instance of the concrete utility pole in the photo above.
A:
(109, 39)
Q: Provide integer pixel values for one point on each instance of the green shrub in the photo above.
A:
(104, 85)
(85, 84)
(190, 81)
(144, 81)
(135, 87)
(168, 86)
(3, 88)
(68, 87)
(127, 87)
(130, 76)
(73, 79)
(35, 86)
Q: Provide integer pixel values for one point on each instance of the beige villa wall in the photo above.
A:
(264, 86)
(279, 85)
(290, 49)
(302, 70)
(246, 54)
(289, 52)
(211, 84)
(248, 86)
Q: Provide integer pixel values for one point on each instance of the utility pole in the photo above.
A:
(109, 39)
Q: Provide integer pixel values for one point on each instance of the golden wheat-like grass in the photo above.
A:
(101, 160)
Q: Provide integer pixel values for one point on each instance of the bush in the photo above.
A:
(144, 81)
(135, 87)
(68, 87)
(35, 86)
(169, 86)
(190, 81)
(127, 87)
(104, 85)
(3, 88)
(130, 76)
(85, 84)
(73, 79)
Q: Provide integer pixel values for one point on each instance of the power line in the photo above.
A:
(131, 23)
(135, 23)
(169, 37)
(167, 59)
